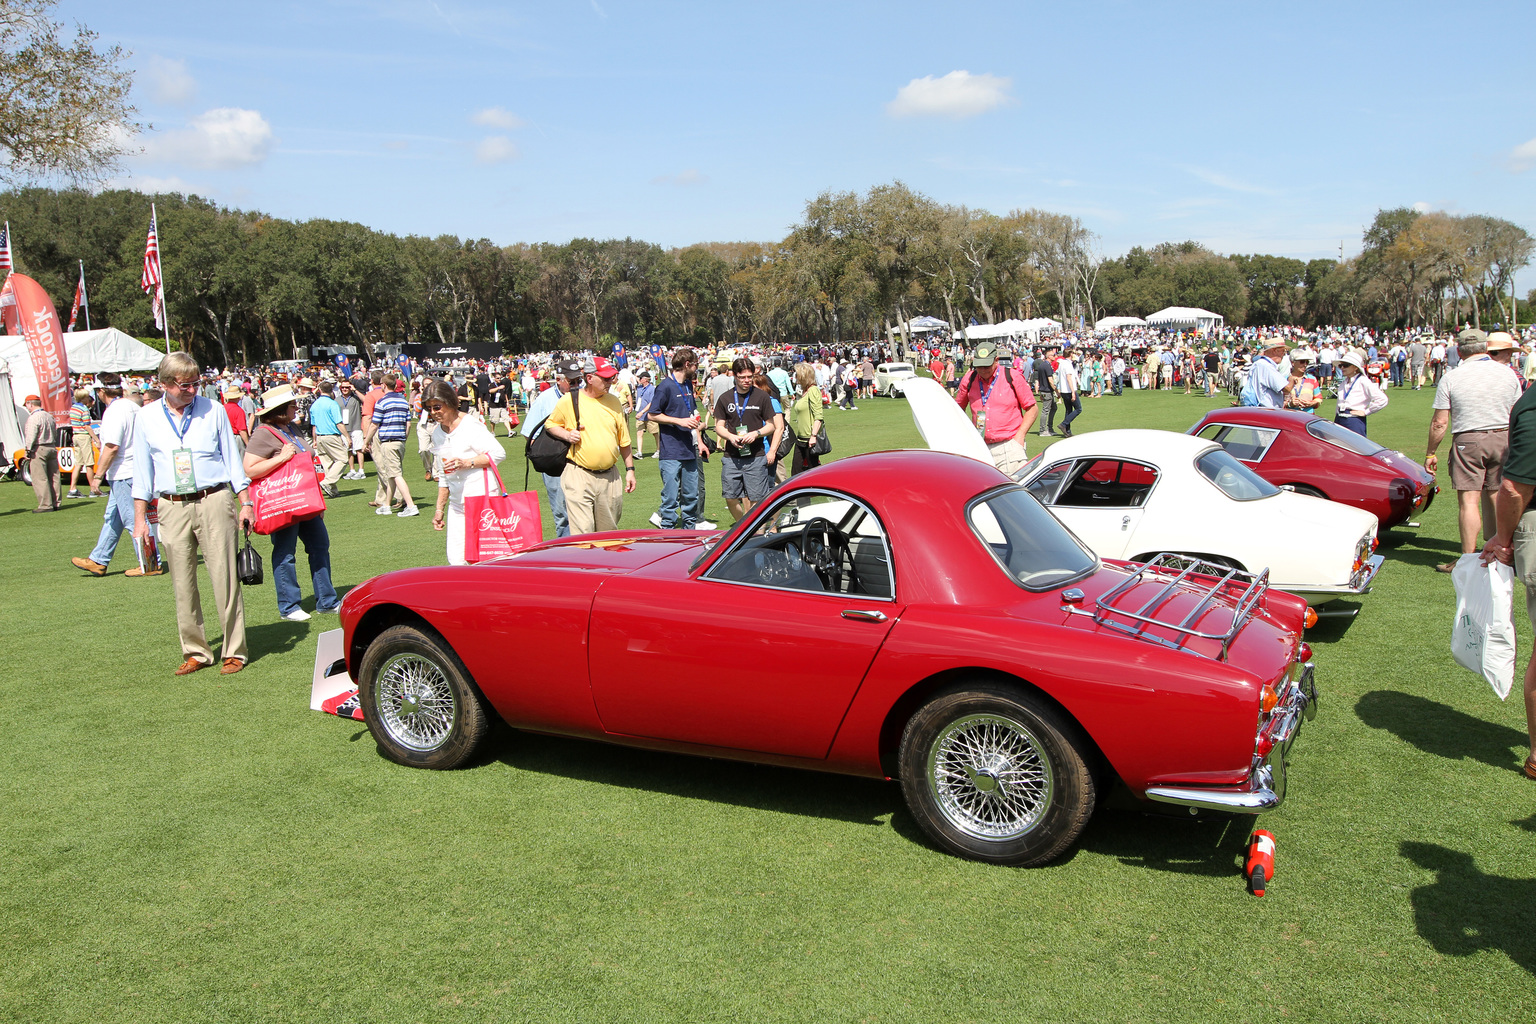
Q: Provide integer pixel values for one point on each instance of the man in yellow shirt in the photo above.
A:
(594, 492)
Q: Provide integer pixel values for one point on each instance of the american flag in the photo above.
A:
(151, 282)
(5, 249)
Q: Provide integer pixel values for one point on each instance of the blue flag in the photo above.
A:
(343, 364)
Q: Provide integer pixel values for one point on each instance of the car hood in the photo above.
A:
(943, 424)
(615, 552)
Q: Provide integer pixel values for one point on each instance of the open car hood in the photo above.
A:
(939, 418)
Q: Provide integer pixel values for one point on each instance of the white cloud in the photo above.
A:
(496, 149)
(689, 177)
(1523, 157)
(397, 145)
(1421, 207)
(151, 185)
(496, 117)
(222, 138)
(957, 94)
(597, 9)
(1230, 184)
(170, 82)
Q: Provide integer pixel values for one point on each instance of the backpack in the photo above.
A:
(1250, 393)
(546, 452)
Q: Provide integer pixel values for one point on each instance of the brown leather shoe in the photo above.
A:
(85, 564)
(231, 666)
(191, 665)
(137, 572)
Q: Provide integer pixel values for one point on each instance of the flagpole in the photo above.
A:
(165, 307)
(85, 299)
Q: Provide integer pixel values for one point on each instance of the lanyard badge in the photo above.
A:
(181, 458)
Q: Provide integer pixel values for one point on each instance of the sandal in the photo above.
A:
(1530, 767)
(1446, 567)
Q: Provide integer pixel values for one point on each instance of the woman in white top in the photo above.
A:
(462, 449)
(1358, 396)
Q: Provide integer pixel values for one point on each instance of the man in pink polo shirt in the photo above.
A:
(1001, 405)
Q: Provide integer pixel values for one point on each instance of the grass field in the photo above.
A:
(209, 849)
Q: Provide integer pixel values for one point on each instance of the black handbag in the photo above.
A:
(821, 444)
(547, 452)
(786, 443)
(248, 567)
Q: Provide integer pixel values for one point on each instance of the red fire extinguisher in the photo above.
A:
(1260, 865)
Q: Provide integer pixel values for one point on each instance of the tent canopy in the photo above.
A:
(1187, 318)
(88, 351)
(1109, 323)
(1031, 329)
(921, 325)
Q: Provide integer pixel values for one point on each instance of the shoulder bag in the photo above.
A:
(548, 453)
(289, 494)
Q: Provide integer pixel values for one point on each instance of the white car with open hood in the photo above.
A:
(1133, 494)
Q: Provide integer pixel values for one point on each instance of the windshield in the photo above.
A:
(1232, 478)
(897, 368)
(1347, 439)
(1028, 542)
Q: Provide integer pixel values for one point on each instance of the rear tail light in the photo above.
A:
(1311, 619)
(1304, 650)
(1268, 699)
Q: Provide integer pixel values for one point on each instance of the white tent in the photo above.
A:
(1109, 323)
(981, 332)
(1187, 318)
(1024, 329)
(921, 325)
(89, 352)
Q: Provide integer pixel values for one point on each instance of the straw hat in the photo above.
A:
(276, 398)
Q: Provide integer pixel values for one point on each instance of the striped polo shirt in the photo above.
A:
(391, 413)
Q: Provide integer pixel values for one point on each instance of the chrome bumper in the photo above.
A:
(1360, 584)
(1264, 789)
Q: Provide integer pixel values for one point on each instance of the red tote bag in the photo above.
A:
(500, 524)
(288, 495)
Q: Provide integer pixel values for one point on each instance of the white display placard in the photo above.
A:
(328, 651)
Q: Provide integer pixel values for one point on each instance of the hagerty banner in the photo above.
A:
(29, 312)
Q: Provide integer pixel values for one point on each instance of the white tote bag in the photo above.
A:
(1483, 636)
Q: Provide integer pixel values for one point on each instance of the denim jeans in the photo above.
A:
(285, 576)
(1074, 406)
(557, 505)
(118, 517)
(680, 484)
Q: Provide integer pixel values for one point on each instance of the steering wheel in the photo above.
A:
(824, 548)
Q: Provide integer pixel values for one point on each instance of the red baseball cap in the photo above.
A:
(601, 367)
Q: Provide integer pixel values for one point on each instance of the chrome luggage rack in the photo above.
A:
(1177, 570)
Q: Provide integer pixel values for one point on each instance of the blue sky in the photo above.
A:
(1281, 129)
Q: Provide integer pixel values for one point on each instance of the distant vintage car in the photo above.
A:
(1136, 493)
(910, 615)
(889, 378)
(1317, 457)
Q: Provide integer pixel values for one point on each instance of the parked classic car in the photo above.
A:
(1135, 493)
(1317, 457)
(911, 615)
(889, 378)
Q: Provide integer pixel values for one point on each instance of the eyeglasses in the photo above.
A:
(184, 385)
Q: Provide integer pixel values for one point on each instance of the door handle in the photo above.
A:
(864, 615)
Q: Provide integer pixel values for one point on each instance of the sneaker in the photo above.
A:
(73, 494)
(332, 610)
(705, 524)
(137, 572)
(94, 568)
(656, 520)
(410, 510)
(383, 510)
(297, 615)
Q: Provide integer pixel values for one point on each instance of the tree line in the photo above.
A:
(244, 288)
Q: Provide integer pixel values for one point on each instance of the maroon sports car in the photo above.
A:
(910, 615)
(1318, 457)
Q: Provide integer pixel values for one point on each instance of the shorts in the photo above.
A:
(1477, 459)
(1009, 456)
(1525, 561)
(85, 456)
(653, 428)
(746, 476)
(499, 414)
(357, 440)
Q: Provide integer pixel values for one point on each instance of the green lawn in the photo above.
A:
(209, 849)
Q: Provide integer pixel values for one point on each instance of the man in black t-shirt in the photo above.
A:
(1042, 378)
(744, 420)
(483, 392)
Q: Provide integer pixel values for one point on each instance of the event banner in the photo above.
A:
(28, 311)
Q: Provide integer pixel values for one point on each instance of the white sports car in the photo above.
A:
(890, 378)
(1136, 493)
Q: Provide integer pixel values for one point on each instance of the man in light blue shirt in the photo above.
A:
(185, 460)
(538, 412)
(1269, 379)
(330, 443)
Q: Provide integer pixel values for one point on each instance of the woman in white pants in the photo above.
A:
(462, 449)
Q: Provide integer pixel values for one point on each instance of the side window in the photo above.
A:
(814, 542)
(1109, 483)
(1045, 486)
(1246, 443)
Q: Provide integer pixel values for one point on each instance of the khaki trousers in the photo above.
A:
(209, 525)
(388, 456)
(424, 447)
(332, 449)
(380, 492)
(45, 476)
(593, 501)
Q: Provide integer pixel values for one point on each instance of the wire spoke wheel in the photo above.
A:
(416, 703)
(990, 777)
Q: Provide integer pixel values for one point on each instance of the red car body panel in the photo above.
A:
(621, 637)
(1389, 485)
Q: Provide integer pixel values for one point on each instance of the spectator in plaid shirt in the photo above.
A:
(391, 415)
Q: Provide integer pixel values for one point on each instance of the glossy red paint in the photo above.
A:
(622, 637)
(1387, 484)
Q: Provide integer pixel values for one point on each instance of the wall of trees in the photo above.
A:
(245, 288)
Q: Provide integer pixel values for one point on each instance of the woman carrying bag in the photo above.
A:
(1358, 395)
(805, 420)
(462, 448)
(272, 447)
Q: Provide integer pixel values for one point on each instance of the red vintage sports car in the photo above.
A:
(1315, 456)
(911, 615)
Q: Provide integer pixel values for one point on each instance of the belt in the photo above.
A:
(392, 440)
(196, 495)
